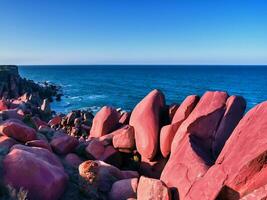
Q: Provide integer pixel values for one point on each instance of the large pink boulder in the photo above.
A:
(145, 119)
(258, 194)
(191, 148)
(36, 170)
(64, 144)
(235, 107)
(241, 166)
(104, 122)
(149, 188)
(18, 131)
(167, 132)
(125, 139)
(124, 189)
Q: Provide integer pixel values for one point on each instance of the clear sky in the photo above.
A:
(133, 32)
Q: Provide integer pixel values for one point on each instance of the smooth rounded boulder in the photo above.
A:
(36, 170)
(104, 122)
(235, 108)
(149, 188)
(167, 132)
(39, 143)
(125, 139)
(145, 119)
(17, 130)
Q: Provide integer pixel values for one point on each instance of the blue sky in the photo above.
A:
(133, 32)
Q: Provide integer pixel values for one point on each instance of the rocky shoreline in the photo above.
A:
(201, 148)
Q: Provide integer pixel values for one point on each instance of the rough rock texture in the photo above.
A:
(123, 189)
(258, 194)
(125, 139)
(104, 122)
(27, 166)
(241, 166)
(149, 189)
(17, 131)
(235, 108)
(145, 119)
(191, 148)
(167, 132)
(97, 178)
(64, 144)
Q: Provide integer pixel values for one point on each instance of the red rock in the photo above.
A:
(13, 114)
(25, 167)
(191, 148)
(38, 122)
(6, 143)
(39, 143)
(240, 167)
(95, 148)
(98, 176)
(125, 117)
(258, 194)
(64, 144)
(73, 160)
(104, 122)
(172, 110)
(111, 156)
(17, 131)
(3, 105)
(149, 188)
(145, 119)
(167, 132)
(166, 137)
(55, 121)
(153, 169)
(123, 189)
(235, 107)
(125, 139)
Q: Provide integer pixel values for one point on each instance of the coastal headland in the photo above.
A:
(205, 147)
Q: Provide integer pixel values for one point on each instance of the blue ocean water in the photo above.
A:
(124, 86)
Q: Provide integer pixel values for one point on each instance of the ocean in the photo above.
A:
(91, 87)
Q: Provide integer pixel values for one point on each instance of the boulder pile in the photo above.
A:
(201, 148)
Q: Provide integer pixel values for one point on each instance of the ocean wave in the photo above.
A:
(96, 96)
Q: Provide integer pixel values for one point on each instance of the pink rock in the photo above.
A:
(124, 118)
(55, 121)
(125, 139)
(38, 122)
(258, 194)
(98, 176)
(167, 132)
(240, 167)
(25, 167)
(149, 188)
(172, 110)
(17, 131)
(104, 122)
(3, 105)
(6, 143)
(39, 143)
(191, 148)
(13, 114)
(64, 144)
(73, 160)
(95, 148)
(235, 107)
(145, 119)
(124, 189)
(111, 156)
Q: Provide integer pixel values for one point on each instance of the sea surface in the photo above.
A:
(91, 87)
